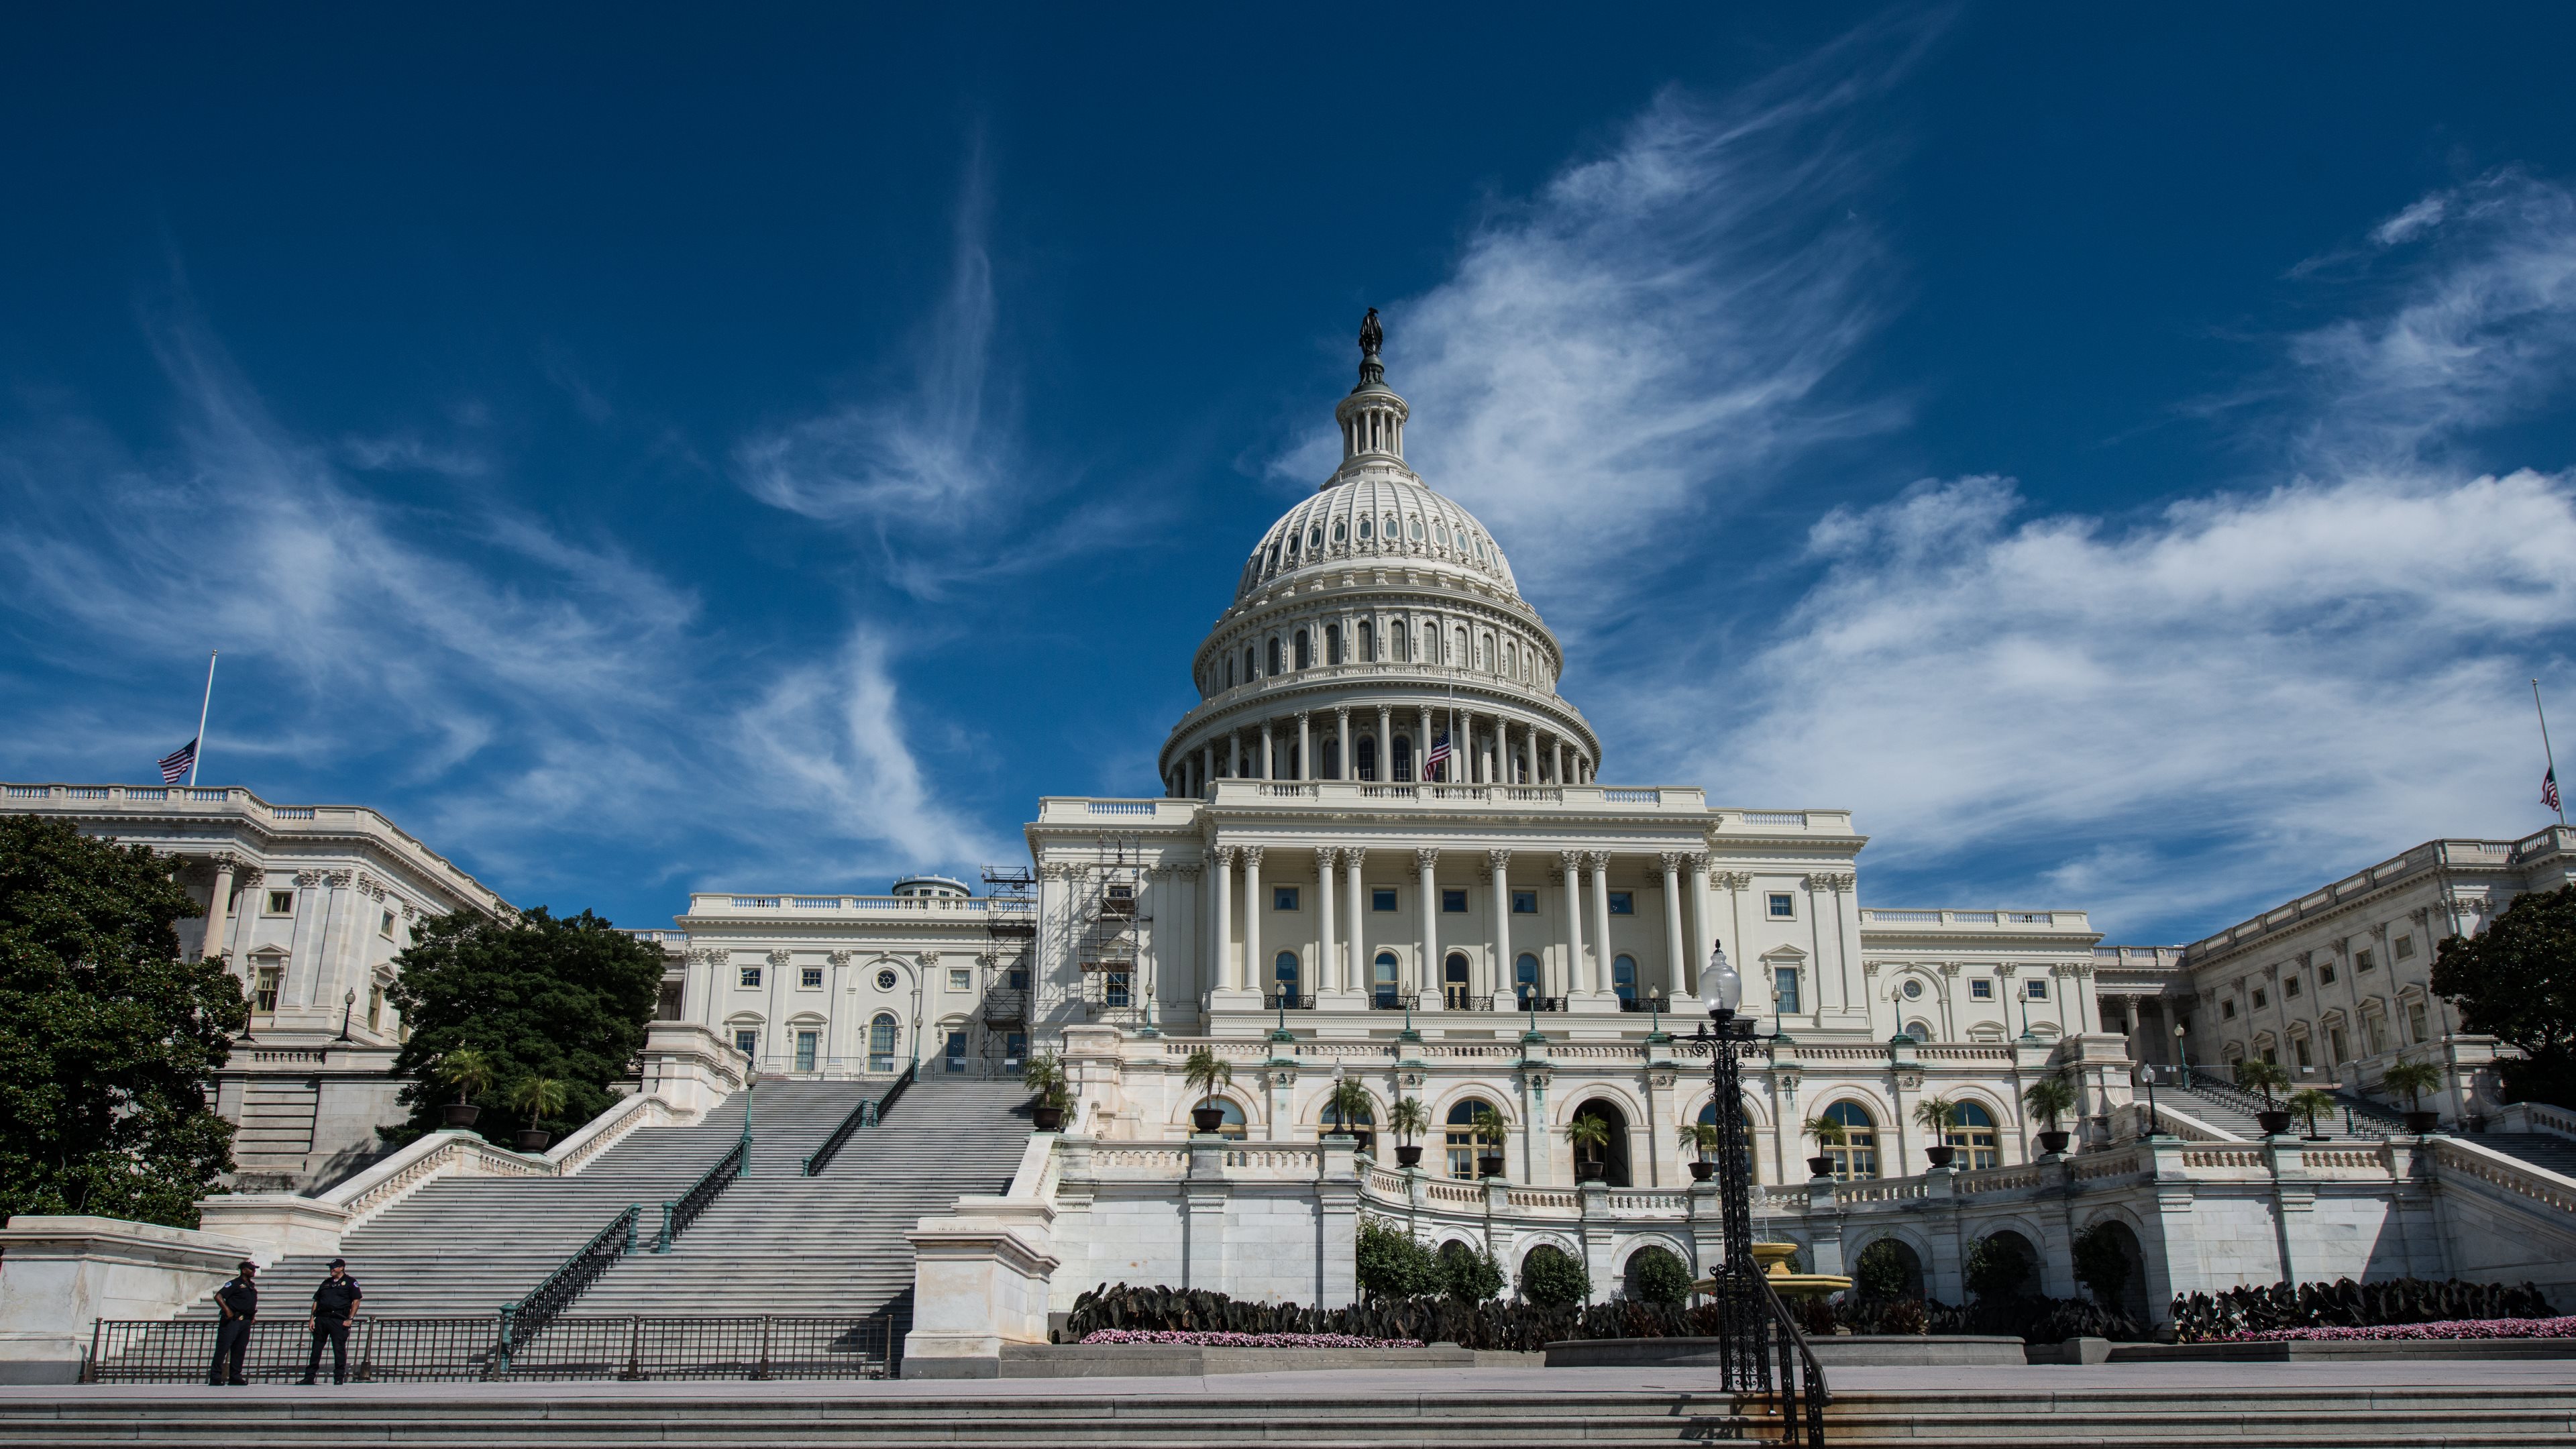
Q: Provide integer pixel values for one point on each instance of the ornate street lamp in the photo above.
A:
(348, 1004)
(1742, 1319)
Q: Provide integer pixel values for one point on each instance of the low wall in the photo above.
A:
(1077, 1361)
(60, 1275)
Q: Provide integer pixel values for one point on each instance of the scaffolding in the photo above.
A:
(1111, 938)
(1010, 948)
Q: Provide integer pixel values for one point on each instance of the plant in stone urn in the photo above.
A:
(470, 1073)
(2255, 1074)
(1350, 1110)
(1590, 1138)
(540, 1098)
(1828, 1133)
(1204, 1073)
(1937, 1115)
(1409, 1120)
(1044, 1075)
(1486, 1127)
(1703, 1138)
(2412, 1080)
(2050, 1099)
(2308, 1102)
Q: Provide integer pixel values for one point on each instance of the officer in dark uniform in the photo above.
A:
(238, 1302)
(335, 1307)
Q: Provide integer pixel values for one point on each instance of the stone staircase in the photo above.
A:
(779, 1242)
(2541, 1149)
(2232, 1111)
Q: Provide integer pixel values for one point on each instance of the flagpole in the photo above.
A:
(2545, 753)
(208, 703)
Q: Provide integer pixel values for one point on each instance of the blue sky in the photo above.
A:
(2122, 454)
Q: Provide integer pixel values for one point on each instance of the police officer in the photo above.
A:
(238, 1302)
(335, 1307)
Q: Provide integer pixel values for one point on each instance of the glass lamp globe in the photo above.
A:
(1720, 988)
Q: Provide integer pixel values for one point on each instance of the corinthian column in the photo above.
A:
(1675, 967)
(1253, 965)
(1329, 970)
(217, 905)
(1425, 862)
(1599, 860)
(1501, 970)
(1574, 972)
(1229, 973)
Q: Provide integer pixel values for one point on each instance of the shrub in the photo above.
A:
(1470, 1276)
(1995, 1269)
(1880, 1272)
(2343, 1303)
(1551, 1278)
(1393, 1265)
(2099, 1264)
(1660, 1276)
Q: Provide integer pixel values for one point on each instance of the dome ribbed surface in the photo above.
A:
(1347, 524)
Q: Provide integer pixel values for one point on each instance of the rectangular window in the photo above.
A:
(1784, 906)
(751, 976)
(1114, 988)
(809, 977)
(2034, 990)
(385, 926)
(808, 1043)
(1453, 903)
(1981, 991)
(2415, 1021)
(2335, 1053)
(2299, 1048)
(954, 1056)
(1019, 978)
(2325, 976)
(961, 981)
(1015, 1048)
(2378, 1036)
(1623, 903)
(263, 996)
(2261, 998)
(1381, 898)
(281, 903)
(1283, 898)
(2290, 987)
(2227, 1009)
(2405, 947)
(2363, 960)
(1784, 986)
(1524, 903)
(747, 1042)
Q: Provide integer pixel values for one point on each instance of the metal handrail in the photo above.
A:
(2201, 1080)
(683, 1210)
(543, 1303)
(866, 1114)
(1803, 1394)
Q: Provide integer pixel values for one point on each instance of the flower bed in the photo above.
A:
(1242, 1340)
(2455, 1328)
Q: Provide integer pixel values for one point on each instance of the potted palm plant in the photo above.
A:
(1349, 1104)
(1828, 1133)
(1703, 1138)
(1044, 1075)
(1409, 1120)
(2308, 1102)
(1590, 1137)
(1487, 1128)
(541, 1098)
(2255, 1074)
(2050, 1099)
(2413, 1080)
(1204, 1073)
(1937, 1115)
(470, 1073)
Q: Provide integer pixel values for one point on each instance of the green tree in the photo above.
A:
(1994, 1268)
(564, 999)
(2260, 1075)
(1880, 1271)
(106, 1036)
(2310, 1103)
(2050, 1099)
(2100, 1263)
(1660, 1275)
(2411, 1080)
(2517, 982)
(1392, 1265)
(1471, 1276)
(1553, 1278)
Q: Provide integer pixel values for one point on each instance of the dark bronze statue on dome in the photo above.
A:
(1372, 372)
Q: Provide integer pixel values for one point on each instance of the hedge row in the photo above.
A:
(2343, 1303)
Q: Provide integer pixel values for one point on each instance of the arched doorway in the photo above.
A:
(1888, 1269)
(1623, 981)
(2002, 1265)
(1614, 1154)
(1382, 992)
(1283, 980)
(1453, 981)
(1459, 1138)
(2130, 1296)
(1403, 759)
(1524, 979)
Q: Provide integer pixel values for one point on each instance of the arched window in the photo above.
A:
(1332, 643)
(1233, 1126)
(1368, 757)
(1417, 530)
(1752, 1159)
(1382, 980)
(1364, 528)
(1251, 664)
(1403, 759)
(1453, 982)
(1315, 537)
(1305, 650)
(1460, 1138)
(1401, 641)
(881, 1034)
(1368, 643)
(1511, 659)
(1332, 752)
(1919, 1029)
(1274, 656)
(1525, 977)
(1623, 978)
(1458, 647)
(1229, 671)
(1856, 1156)
(1283, 972)
(1973, 1133)
(1341, 531)
(1430, 645)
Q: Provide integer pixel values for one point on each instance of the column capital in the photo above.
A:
(1599, 860)
(1695, 861)
(1731, 880)
(1251, 855)
(1672, 861)
(1500, 861)
(1223, 855)
(1573, 860)
(1831, 881)
(1326, 857)
(1425, 857)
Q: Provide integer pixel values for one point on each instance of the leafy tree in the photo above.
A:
(2100, 1265)
(1471, 1276)
(564, 999)
(1994, 1268)
(1393, 1265)
(2517, 983)
(2260, 1075)
(1661, 1276)
(2050, 1099)
(1408, 1119)
(106, 1036)
(2308, 1102)
(2411, 1080)
(1553, 1278)
(1880, 1271)
(1203, 1073)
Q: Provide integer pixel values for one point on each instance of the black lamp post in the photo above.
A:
(1742, 1318)
(348, 1003)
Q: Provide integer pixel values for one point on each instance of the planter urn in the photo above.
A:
(1940, 1156)
(2273, 1123)
(1047, 1119)
(534, 1140)
(1490, 1166)
(1820, 1166)
(1703, 1171)
(2053, 1143)
(2421, 1123)
(1591, 1171)
(461, 1114)
(1207, 1119)
(1409, 1157)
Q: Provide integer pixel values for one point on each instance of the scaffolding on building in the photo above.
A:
(1010, 967)
(1112, 933)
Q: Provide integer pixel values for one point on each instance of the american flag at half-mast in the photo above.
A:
(1439, 754)
(2549, 788)
(174, 765)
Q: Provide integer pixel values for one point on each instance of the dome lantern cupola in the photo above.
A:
(1372, 417)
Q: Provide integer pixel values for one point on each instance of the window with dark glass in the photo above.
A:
(1783, 905)
(1453, 903)
(1622, 903)
(1524, 903)
(1784, 981)
(1283, 898)
(1381, 898)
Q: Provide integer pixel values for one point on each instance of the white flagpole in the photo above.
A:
(2544, 748)
(202, 706)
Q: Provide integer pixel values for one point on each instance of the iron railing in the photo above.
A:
(600, 1347)
(1396, 1001)
(683, 1210)
(865, 1114)
(1287, 1001)
(546, 1302)
(1802, 1392)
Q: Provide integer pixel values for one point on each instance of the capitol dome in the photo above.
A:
(1374, 622)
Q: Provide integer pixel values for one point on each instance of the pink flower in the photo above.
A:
(2455, 1328)
(1242, 1340)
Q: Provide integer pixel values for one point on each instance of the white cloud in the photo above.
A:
(1653, 330)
